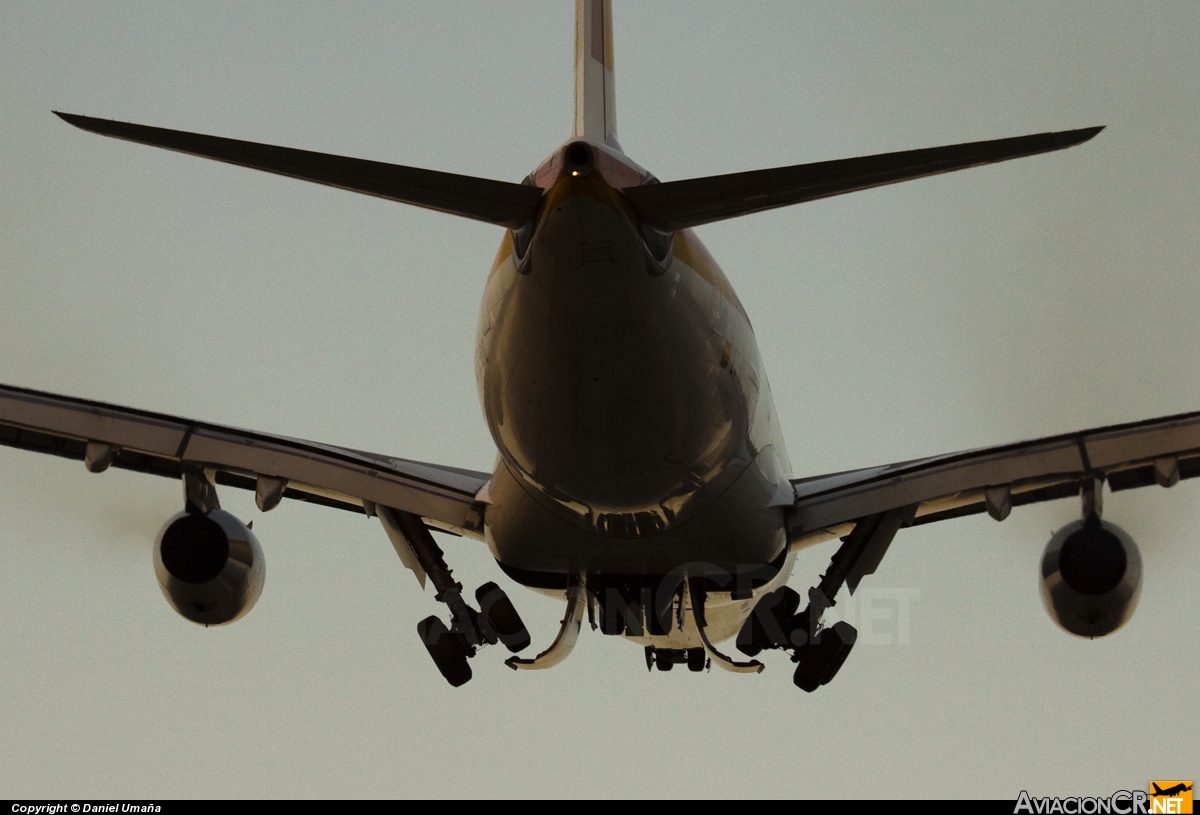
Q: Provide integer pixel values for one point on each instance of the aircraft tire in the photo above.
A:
(445, 650)
(807, 676)
(503, 618)
(819, 663)
(770, 624)
(611, 620)
(664, 660)
(783, 610)
(752, 638)
(844, 637)
(696, 659)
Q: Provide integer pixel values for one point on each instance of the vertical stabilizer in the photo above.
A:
(595, 99)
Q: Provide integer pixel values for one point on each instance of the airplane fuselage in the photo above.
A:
(626, 395)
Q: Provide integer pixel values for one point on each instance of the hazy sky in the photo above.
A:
(1035, 297)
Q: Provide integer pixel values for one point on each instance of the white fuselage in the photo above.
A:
(637, 435)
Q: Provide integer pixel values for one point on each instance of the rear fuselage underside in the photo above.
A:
(626, 395)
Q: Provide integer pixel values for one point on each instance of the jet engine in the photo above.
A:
(1091, 577)
(209, 566)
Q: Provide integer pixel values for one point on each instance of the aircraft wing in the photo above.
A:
(101, 434)
(995, 479)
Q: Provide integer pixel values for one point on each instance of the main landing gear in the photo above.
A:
(452, 646)
(819, 651)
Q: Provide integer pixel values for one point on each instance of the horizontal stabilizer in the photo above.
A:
(680, 204)
(496, 202)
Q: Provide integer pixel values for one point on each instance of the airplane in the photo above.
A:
(1169, 792)
(641, 475)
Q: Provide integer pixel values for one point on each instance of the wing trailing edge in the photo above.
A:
(158, 444)
(695, 201)
(1159, 452)
(495, 202)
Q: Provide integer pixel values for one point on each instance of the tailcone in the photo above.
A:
(605, 381)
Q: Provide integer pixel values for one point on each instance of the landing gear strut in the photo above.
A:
(820, 651)
(469, 630)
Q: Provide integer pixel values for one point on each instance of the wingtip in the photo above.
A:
(71, 118)
(1070, 138)
(101, 127)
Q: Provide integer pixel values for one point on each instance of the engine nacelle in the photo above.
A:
(1091, 577)
(210, 567)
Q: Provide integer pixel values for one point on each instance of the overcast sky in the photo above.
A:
(1034, 297)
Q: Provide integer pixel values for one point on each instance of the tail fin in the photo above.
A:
(595, 99)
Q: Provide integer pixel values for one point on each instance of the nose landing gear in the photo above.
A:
(665, 659)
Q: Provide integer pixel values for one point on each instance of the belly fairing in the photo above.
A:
(626, 394)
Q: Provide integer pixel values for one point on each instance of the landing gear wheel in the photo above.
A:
(664, 660)
(447, 652)
(697, 658)
(498, 613)
(752, 638)
(608, 609)
(846, 637)
(769, 625)
(820, 663)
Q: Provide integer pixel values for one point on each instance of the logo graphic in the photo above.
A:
(1170, 797)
